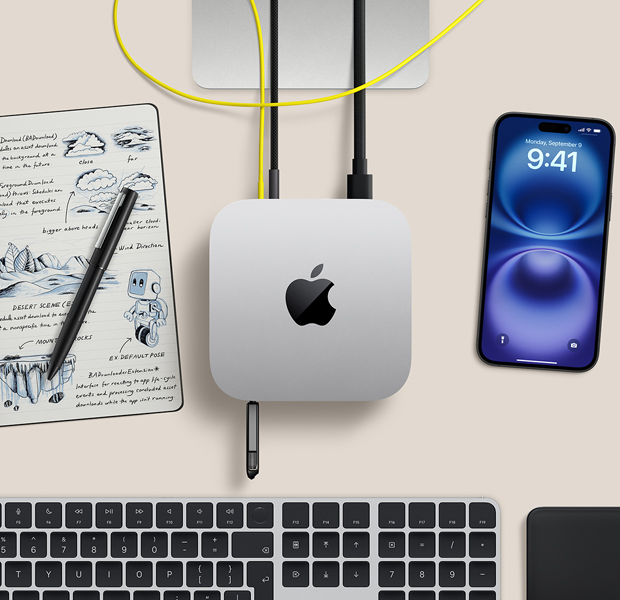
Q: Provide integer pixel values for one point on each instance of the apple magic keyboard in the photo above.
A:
(249, 549)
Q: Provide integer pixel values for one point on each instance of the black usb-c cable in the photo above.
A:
(359, 183)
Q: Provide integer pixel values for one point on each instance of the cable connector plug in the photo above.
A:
(359, 183)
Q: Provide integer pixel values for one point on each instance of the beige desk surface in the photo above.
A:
(458, 427)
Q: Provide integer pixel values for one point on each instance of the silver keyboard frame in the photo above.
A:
(280, 592)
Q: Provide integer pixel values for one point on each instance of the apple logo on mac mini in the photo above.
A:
(307, 301)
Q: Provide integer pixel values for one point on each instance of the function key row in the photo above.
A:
(392, 515)
(235, 515)
(137, 515)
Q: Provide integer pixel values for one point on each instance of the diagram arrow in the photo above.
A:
(28, 342)
(127, 342)
(68, 201)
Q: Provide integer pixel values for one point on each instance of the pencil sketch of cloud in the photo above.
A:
(98, 179)
(138, 182)
(84, 143)
(102, 197)
(134, 138)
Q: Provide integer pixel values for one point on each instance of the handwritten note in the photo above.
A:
(59, 176)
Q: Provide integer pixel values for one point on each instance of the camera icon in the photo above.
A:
(574, 345)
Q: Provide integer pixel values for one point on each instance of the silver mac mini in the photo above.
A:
(310, 300)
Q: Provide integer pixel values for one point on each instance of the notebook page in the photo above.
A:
(59, 176)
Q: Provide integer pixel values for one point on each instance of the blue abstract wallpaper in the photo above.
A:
(547, 232)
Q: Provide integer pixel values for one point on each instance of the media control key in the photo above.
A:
(230, 515)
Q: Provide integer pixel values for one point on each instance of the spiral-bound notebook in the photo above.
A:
(59, 175)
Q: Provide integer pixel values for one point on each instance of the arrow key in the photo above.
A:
(356, 574)
(356, 545)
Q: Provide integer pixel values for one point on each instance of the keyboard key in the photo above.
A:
(325, 545)
(230, 515)
(139, 574)
(146, 595)
(451, 595)
(295, 545)
(452, 545)
(63, 545)
(237, 595)
(4, 595)
(154, 545)
(486, 595)
(205, 595)
(295, 515)
(48, 515)
(229, 574)
(325, 515)
(391, 515)
(86, 595)
(260, 515)
(295, 574)
(451, 515)
(422, 545)
(422, 515)
(48, 574)
(17, 574)
(55, 595)
(169, 515)
(79, 515)
(356, 545)
(169, 574)
(325, 574)
(18, 515)
(425, 595)
(356, 515)
(109, 515)
(177, 595)
(23, 595)
(482, 544)
(124, 544)
(391, 574)
(260, 577)
(391, 595)
(184, 545)
(214, 544)
(33, 545)
(421, 574)
(94, 545)
(481, 574)
(8, 544)
(481, 515)
(252, 544)
(391, 545)
(115, 595)
(356, 574)
(199, 515)
(452, 574)
(78, 574)
(199, 574)
(108, 574)
(139, 515)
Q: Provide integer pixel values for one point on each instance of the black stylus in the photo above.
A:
(251, 438)
(99, 261)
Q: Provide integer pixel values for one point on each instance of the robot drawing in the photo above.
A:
(149, 312)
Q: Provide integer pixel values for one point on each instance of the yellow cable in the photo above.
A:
(261, 132)
(263, 104)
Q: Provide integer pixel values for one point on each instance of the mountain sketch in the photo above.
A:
(24, 275)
